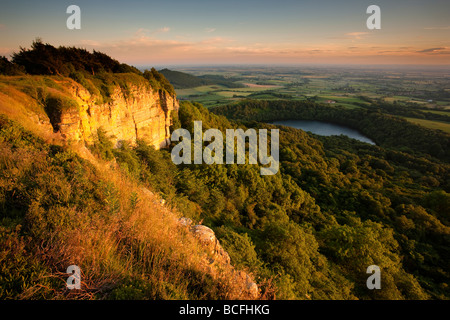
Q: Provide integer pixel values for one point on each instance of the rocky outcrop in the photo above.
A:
(218, 257)
(140, 114)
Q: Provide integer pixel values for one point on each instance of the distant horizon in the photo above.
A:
(159, 66)
(298, 65)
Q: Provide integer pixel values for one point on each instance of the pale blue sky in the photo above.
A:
(245, 31)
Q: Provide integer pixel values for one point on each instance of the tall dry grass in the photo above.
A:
(127, 244)
(24, 108)
(145, 240)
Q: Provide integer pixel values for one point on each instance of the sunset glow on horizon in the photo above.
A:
(233, 32)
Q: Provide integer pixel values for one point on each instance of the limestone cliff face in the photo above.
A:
(140, 114)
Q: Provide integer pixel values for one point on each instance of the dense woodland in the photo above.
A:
(336, 207)
(386, 130)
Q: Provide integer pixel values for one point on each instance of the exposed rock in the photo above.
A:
(219, 257)
(251, 287)
(208, 238)
(142, 114)
(185, 221)
(147, 192)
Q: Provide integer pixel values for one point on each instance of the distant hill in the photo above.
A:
(223, 81)
(181, 80)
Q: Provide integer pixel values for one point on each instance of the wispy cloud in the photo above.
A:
(143, 32)
(163, 29)
(432, 50)
(152, 46)
(145, 46)
(356, 35)
(217, 41)
(350, 36)
(438, 28)
(90, 43)
(5, 51)
(210, 30)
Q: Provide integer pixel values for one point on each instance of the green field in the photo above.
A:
(213, 95)
(444, 113)
(436, 125)
(344, 86)
(425, 92)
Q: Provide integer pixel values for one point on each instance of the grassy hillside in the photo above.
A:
(58, 209)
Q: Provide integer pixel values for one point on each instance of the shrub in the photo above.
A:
(103, 147)
(55, 105)
(239, 247)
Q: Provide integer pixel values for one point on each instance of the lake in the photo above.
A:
(324, 129)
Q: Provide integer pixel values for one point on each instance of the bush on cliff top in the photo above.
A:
(81, 65)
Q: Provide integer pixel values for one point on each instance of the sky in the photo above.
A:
(201, 32)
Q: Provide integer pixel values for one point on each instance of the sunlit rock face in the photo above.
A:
(141, 114)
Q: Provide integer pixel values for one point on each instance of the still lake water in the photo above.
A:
(324, 129)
